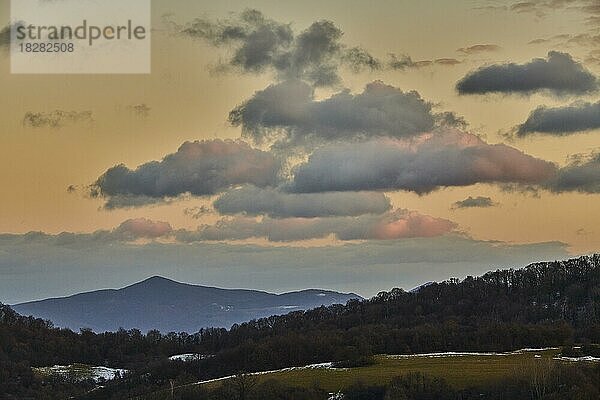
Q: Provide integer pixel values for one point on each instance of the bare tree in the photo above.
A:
(243, 384)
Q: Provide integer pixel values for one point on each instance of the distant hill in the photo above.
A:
(166, 305)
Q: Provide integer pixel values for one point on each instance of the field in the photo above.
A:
(458, 369)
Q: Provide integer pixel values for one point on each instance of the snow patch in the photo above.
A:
(106, 373)
(81, 372)
(326, 365)
(467, 354)
(578, 359)
(189, 357)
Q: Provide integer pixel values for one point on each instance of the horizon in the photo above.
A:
(187, 284)
(298, 290)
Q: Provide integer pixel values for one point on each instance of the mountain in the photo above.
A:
(166, 305)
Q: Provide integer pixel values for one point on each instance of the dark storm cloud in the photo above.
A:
(56, 118)
(259, 43)
(474, 202)
(441, 159)
(559, 121)
(251, 200)
(581, 176)
(399, 224)
(119, 201)
(289, 109)
(199, 168)
(559, 74)
(479, 48)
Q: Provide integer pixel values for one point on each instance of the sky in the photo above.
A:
(284, 145)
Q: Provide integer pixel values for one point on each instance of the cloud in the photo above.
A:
(403, 61)
(541, 8)
(559, 121)
(399, 224)
(314, 55)
(446, 157)
(585, 39)
(359, 59)
(559, 74)
(56, 118)
(130, 230)
(35, 266)
(289, 110)
(121, 201)
(471, 202)
(141, 110)
(142, 228)
(528, 7)
(538, 41)
(582, 175)
(450, 119)
(447, 61)
(198, 168)
(259, 43)
(197, 212)
(479, 48)
(251, 200)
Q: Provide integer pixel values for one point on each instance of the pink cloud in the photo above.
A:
(143, 228)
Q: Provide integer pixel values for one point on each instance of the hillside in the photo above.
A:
(166, 305)
(550, 304)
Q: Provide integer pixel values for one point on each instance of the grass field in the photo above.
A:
(458, 370)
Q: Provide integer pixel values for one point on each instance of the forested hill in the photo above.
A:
(544, 304)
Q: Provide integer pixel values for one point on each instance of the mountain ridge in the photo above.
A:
(168, 305)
